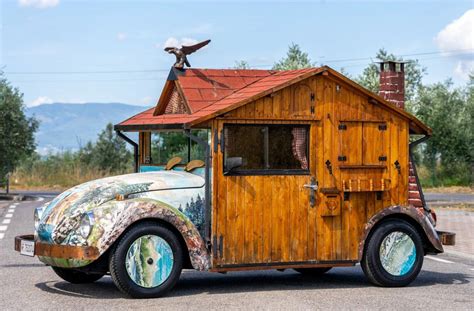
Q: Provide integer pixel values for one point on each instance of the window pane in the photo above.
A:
(272, 147)
(166, 145)
(246, 142)
(288, 147)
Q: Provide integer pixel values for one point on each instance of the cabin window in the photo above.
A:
(266, 149)
(166, 145)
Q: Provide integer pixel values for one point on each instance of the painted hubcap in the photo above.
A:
(397, 253)
(149, 261)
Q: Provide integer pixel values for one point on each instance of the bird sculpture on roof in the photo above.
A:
(182, 52)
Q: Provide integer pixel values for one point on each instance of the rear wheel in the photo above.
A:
(394, 254)
(313, 271)
(75, 276)
(147, 261)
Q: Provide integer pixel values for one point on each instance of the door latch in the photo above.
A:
(313, 186)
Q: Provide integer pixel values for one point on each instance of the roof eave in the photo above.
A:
(149, 127)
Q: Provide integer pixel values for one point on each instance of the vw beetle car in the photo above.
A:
(300, 169)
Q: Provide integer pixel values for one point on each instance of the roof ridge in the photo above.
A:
(194, 68)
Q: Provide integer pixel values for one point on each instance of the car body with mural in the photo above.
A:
(299, 169)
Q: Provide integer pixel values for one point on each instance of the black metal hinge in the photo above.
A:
(382, 127)
(217, 247)
(383, 158)
(221, 246)
(214, 246)
(342, 127)
(342, 158)
(312, 109)
(222, 143)
(216, 140)
(312, 97)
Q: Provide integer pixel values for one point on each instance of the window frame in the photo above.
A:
(266, 172)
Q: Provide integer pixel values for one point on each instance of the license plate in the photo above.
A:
(27, 248)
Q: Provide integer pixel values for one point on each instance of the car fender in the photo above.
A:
(109, 229)
(416, 214)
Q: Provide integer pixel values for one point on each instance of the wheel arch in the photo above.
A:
(410, 214)
(139, 210)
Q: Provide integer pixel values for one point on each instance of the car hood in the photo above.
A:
(86, 196)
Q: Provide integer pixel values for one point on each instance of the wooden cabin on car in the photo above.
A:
(302, 164)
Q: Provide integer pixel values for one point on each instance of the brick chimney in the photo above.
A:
(392, 82)
(392, 88)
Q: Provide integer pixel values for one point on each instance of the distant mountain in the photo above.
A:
(70, 126)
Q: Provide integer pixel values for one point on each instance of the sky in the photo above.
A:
(80, 51)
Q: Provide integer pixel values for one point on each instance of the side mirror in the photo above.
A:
(233, 163)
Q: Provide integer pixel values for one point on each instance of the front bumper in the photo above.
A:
(58, 251)
(447, 238)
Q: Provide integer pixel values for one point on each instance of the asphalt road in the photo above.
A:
(437, 199)
(445, 283)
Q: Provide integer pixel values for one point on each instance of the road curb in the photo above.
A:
(18, 197)
(11, 197)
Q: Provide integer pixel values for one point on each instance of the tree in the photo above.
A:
(109, 153)
(413, 76)
(295, 59)
(16, 130)
(241, 64)
(448, 154)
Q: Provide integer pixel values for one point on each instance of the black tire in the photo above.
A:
(117, 261)
(372, 264)
(75, 276)
(313, 271)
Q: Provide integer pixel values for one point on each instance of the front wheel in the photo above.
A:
(75, 276)
(394, 254)
(147, 261)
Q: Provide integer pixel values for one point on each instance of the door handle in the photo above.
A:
(313, 186)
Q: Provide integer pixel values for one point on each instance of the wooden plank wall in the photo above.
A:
(268, 219)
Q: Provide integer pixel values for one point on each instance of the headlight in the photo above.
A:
(37, 217)
(85, 226)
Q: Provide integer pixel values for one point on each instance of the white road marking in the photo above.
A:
(6, 221)
(40, 199)
(3, 228)
(8, 215)
(2, 235)
(438, 259)
(11, 211)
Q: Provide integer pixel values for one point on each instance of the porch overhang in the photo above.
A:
(149, 127)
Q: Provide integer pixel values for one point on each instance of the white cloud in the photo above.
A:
(174, 42)
(39, 101)
(121, 36)
(464, 68)
(40, 4)
(459, 36)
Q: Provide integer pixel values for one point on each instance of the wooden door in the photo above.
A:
(262, 217)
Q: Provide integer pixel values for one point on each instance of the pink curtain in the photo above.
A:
(299, 146)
